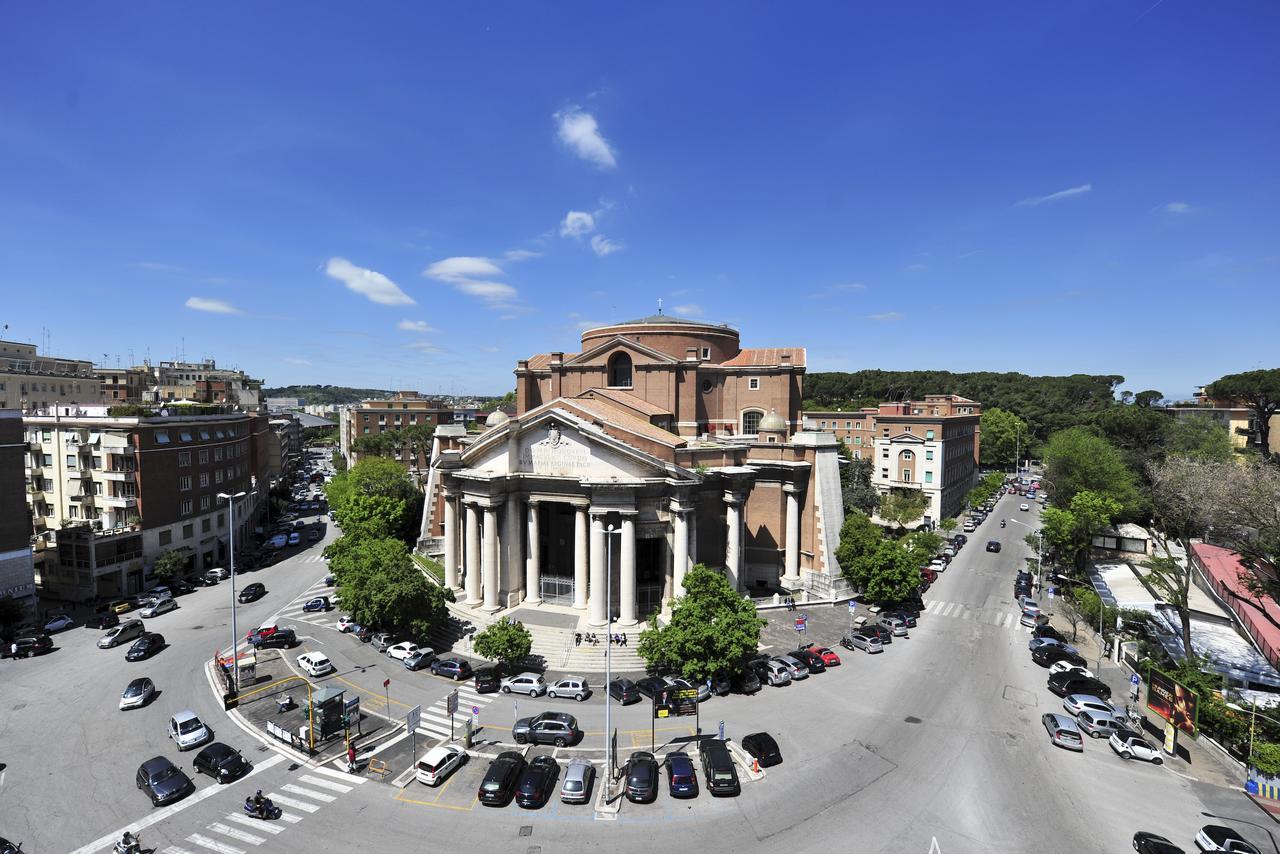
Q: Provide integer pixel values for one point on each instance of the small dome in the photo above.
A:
(496, 419)
(772, 423)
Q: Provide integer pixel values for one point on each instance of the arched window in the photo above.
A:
(620, 370)
(906, 455)
(751, 422)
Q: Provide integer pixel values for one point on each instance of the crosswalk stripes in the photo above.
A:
(278, 798)
(434, 722)
(213, 844)
(236, 833)
(310, 793)
(325, 784)
(960, 611)
(255, 823)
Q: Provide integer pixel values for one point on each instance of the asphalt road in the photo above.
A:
(934, 745)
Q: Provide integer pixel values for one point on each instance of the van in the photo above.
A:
(126, 631)
(718, 771)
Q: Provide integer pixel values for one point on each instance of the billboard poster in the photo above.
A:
(1173, 701)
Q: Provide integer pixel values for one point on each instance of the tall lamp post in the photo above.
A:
(608, 653)
(231, 505)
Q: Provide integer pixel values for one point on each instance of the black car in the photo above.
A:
(682, 778)
(886, 636)
(960, 538)
(1052, 653)
(34, 643)
(163, 782)
(624, 691)
(1070, 682)
(221, 762)
(145, 647)
(285, 638)
(759, 668)
(537, 782)
(809, 659)
(1150, 843)
(762, 748)
(745, 681)
(487, 680)
(642, 777)
(1021, 589)
(651, 685)
(717, 769)
(903, 614)
(499, 784)
(1044, 630)
(993, 545)
(105, 620)
(721, 683)
(252, 592)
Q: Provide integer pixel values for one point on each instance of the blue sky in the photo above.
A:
(416, 195)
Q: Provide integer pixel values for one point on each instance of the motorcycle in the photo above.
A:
(264, 811)
(129, 844)
(1001, 523)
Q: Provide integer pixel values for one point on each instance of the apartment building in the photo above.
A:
(284, 444)
(17, 571)
(205, 382)
(30, 382)
(404, 409)
(107, 495)
(125, 385)
(1240, 420)
(931, 445)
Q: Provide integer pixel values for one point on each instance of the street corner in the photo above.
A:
(458, 792)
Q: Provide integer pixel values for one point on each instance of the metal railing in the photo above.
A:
(556, 590)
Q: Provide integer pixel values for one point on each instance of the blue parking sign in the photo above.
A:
(1133, 679)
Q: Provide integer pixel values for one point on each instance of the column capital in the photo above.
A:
(792, 488)
(680, 507)
(733, 499)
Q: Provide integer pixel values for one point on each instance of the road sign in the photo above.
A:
(413, 717)
(853, 605)
(475, 711)
(386, 683)
(451, 702)
(1134, 680)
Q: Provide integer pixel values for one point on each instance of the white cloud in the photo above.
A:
(215, 306)
(688, 309)
(1055, 197)
(514, 255)
(603, 246)
(296, 361)
(414, 326)
(580, 132)
(886, 317)
(1177, 208)
(584, 325)
(488, 349)
(368, 283)
(577, 224)
(466, 273)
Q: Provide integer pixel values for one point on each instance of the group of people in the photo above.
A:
(619, 639)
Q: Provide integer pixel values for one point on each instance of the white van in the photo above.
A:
(315, 663)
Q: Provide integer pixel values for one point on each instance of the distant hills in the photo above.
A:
(321, 395)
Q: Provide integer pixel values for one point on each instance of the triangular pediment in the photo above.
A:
(906, 439)
(554, 441)
(600, 353)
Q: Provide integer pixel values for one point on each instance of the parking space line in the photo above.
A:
(340, 775)
(310, 793)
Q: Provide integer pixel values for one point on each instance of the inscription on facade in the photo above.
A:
(556, 455)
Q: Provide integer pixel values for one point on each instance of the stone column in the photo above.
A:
(489, 559)
(533, 557)
(680, 558)
(513, 572)
(599, 607)
(473, 555)
(733, 542)
(580, 558)
(450, 541)
(627, 573)
(791, 566)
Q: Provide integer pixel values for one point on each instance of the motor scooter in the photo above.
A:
(1001, 523)
(265, 811)
(129, 844)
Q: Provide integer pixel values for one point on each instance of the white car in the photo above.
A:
(570, 686)
(137, 693)
(439, 763)
(279, 541)
(187, 730)
(402, 650)
(1024, 506)
(1216, 837)
(315, 663)
(525, 683)
(59, 622)
(158, 608)
(1060, 666)
(345, 623)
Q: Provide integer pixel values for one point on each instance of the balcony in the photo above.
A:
(119, 501)
(33, 445)
(79, 474)
(119, 475)
(83, 498)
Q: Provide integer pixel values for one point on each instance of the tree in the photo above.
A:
(1077, 460)
(169, 564)
(922, 544)
(1147, 398)
(1003, 433)
(712, 629)
(1200, 437)
(1069, 606)
(375, 498)
(1260, 391)
(948, 525)
(858, 535)
(888, 573)
(1172, 581)
(856, 488)
(505, 641)
(379, 585)
(901, 507)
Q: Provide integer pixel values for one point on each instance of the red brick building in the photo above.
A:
(403, 410)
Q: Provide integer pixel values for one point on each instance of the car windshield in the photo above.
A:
(189, 726)
(133, 690)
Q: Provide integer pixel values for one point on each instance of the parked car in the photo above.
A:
(721, 683)
(570, 686)
(681, 684)
(1054, 653)
(1131, 745)
(315, 663)
(537, 782)
(578, 777)
(380, 641)
(1035, 643)
(1031, 619)
(897, 625)
(454, 668)
(252, 592)
(487, 680)
(163, 782)
(885, 635)
(746, 681)
(769, 672)
(1099, 725)
(763, 748)
(1077, 703)
(1068, 664)
(1216, 837)
(28, 644)
(1048, 631)
(1063, 731)
(499, 783)
(829, 658)
(682, 777)
(625, 691)
(160, 606)
(438, 763)
(58, 622)
(295, 539)
(187, 730)
(145, 647)
(345, 623)
(558, 728)
(718, 771)
(401, 651)
(795, 666)
(642, 777)
(320, 603)
(866, 641)
(421, 657)
(1151, 843)
(105, 620)
(809, 659)
(221, 762)
(137, 693)
(1063, 684)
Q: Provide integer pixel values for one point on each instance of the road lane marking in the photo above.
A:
(290, 817)
(213, 844)
(255, 823)
(242, 836)
(309, 793)
(340, 775)
(291, 802)
(325, 784)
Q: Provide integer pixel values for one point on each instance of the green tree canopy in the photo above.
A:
(505, 641)
(169, 564)
(855, 482)
(379, 585)
(712, 629)
(1076, 460)
(903, 507)
(888, 573)
(1199, 437)
(1259, 390)
(1003, 434)
(858, 535)
(375, 498)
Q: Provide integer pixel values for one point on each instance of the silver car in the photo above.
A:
(1077, 703)
(797, 668)
(1099, 725)
(578, 776)
(865, 642)
(897, 625)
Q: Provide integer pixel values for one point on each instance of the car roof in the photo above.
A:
(217, 748)
(438, 754)
(185, 715)
(155, 764)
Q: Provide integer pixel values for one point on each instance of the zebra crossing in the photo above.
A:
(434, 722)
(1000, 618)
(315, 558)
(305, 796)
(293, 611)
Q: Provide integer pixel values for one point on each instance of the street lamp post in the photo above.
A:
(608, 654)
(231, 506)
(1102, 612)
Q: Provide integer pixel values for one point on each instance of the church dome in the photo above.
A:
(772, 423)
(496, 419)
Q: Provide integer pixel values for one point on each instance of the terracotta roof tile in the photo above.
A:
(765, 357)
(626, 399)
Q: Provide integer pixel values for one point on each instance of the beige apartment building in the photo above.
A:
(30, 382)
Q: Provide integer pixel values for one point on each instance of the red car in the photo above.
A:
(261, 631)
(829, 658)
(928, 574)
